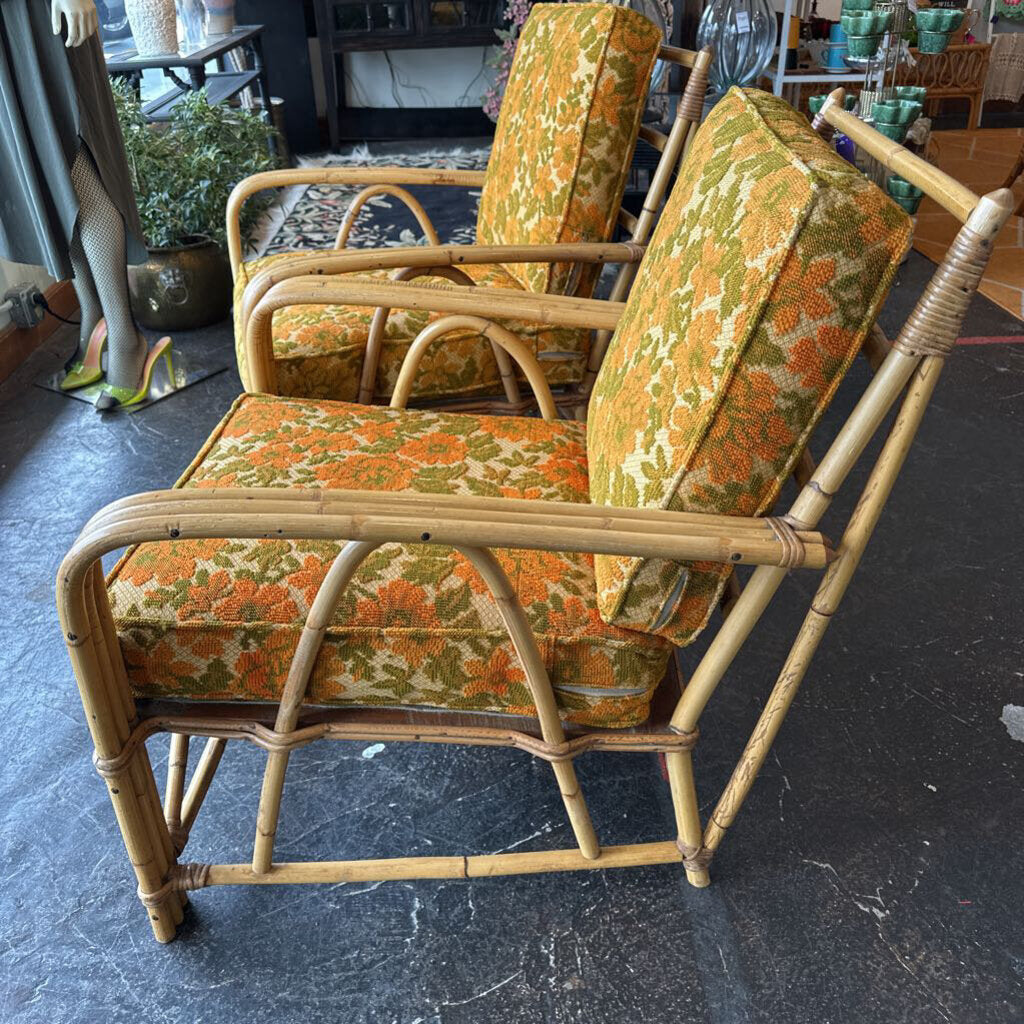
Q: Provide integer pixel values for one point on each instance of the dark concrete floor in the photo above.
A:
(876, 873)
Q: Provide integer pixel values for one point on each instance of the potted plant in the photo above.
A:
(183, 173)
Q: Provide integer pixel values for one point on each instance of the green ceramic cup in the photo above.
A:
(909, 203)
(902, 188)
(815, 103)
(863, 46)
(932, 42)
(852, 6)
(896, 132)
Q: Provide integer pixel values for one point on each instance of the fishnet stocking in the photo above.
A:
(101, 231)
(89, 306)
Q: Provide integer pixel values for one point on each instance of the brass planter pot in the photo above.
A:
(181, 287)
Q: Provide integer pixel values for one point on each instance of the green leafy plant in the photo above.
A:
(184, 171)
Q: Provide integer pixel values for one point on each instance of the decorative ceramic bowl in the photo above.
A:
(863, 46)
(932, 42)
(916, 93)
(938, 19)
(866, 23)
(895, 111)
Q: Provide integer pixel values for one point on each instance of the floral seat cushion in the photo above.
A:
(220, 619)
(318, 350)
(558, 168)
(767, 269)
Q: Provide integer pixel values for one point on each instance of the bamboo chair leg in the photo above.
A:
(576, 808)
(826, 600)
(177, 765)
(690, 835)
(338, 576)
(209, 761)
(131, 785)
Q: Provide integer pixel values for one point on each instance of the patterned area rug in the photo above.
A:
(308, 217)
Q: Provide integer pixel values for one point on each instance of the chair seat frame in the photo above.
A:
(435, 260)
(154, 835)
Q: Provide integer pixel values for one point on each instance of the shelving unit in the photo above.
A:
(787, 83)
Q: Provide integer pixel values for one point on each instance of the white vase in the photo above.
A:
(154, 26)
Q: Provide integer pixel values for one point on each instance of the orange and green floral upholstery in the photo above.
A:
(766, 271)
(220, 619)
(557, 172)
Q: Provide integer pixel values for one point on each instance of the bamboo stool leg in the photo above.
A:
(688, 827)
(576, 808)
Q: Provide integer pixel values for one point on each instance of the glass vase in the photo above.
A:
(742, 36)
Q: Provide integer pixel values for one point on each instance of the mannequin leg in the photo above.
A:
(90, 310)
(101, 230)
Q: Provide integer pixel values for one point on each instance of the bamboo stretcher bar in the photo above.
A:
(219, 730)
(476, 866)
(653, 137)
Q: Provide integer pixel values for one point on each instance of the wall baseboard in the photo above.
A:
(18, 343)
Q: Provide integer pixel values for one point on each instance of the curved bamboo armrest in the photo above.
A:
(939, 186)
(412, 204)
(557, 310)
(447, 519)
(333, 176)
(506, 346)
(423, 256)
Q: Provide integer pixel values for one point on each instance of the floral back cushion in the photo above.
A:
(568, 127)
(765, 273)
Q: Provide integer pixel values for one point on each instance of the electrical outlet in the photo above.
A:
(25, 310)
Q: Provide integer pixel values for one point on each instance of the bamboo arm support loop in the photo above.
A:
(934, 325)
(181, 878)
(404, 196)
(500, 337)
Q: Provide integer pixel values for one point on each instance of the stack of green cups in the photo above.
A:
(893, 118)
(934, 27)
(864, 30)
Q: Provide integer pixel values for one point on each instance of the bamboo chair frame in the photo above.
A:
(434, 259)
(906, 373)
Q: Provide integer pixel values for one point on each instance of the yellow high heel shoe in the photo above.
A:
(114, 397)
(88, 370)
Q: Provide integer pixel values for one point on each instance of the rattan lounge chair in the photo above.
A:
(561, 157)
(335, 571)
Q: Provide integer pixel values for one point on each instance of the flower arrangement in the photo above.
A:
(516, 13)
